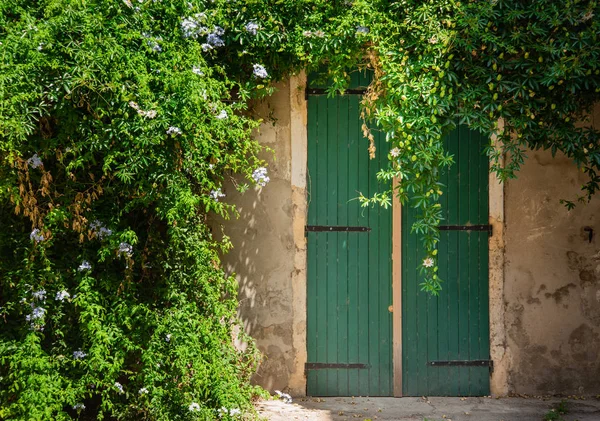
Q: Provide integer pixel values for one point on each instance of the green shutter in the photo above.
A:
(455, 325)
(349, 273)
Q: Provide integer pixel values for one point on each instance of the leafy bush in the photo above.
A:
(117, 130)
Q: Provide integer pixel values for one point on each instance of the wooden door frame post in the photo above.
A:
(397, 290)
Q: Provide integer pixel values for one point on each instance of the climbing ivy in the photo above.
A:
(121, 120)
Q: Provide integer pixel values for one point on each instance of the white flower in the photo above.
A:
(395, 152)
(168, 337)
(318, 34)
(35, 161)
(101, 230)
(36, 314)
(125, 248)
(36, 235)
(214, 38)
(284, 396)
(222, 115)
(154, 45)
(260, 176)
(362, 30)
(428, 262)
(148, 114)
(174, 130)
(143, 391)
(216, 194)
(260, 71)
(252, 28)
(190, 27)
(206, 47)
(85, 265)
(194, 407)
(120, 387)
(79, 355)
(78, 406)
(234, 411)
(196, 70)
(39, 295)
(62, 295)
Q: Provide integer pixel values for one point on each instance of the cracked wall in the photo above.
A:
(552, 280)
(268, 255)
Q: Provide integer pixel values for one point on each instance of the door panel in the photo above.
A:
(349, 285)
(455, 325)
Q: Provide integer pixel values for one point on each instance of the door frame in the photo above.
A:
(299, 159)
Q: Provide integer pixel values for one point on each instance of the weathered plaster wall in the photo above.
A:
(552, 281)
(268, 238)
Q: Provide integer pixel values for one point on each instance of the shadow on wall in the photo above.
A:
(262, 259)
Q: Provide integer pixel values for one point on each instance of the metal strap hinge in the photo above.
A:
(334, 228)
(324, 366)
(487, 228)
(321, 91)
(463, 363)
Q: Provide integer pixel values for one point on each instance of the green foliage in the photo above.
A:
(555, 414)
(120, 121)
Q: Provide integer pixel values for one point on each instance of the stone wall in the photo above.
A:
(552, 280)
(268, 257)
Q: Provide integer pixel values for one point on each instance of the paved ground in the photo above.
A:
(430, 409)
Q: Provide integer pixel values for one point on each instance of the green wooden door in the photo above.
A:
(349, 285)
(443, 337)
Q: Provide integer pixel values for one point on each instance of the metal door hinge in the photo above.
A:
(487, 228)
(463, 363)
(324, 366)
(334, 228)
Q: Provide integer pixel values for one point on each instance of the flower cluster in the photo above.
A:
(143, 391)
(362, 30)
(35, 161)
(36, 235)
(62, 295)
(260, 176)
(213, 39)
(126, 249)
(79, 355)
(222, 115)
(85, 265)
(152, 42)
(216, 194)
(231, 412)
(252, 28)
(260, 71)
(174, 131)
(196, 70)
(284, 396)
(39, 295)
(192, 26)
(194, 407)
(315, 34)
(148, 114)
(101, 231)
(119, 387)
(36, 318)
(79, 406)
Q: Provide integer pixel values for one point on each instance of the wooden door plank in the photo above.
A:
(342, 243)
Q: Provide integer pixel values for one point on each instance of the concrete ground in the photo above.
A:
(430, 409)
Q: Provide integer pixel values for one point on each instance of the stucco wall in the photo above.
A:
(552, 281)
(268, 254)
